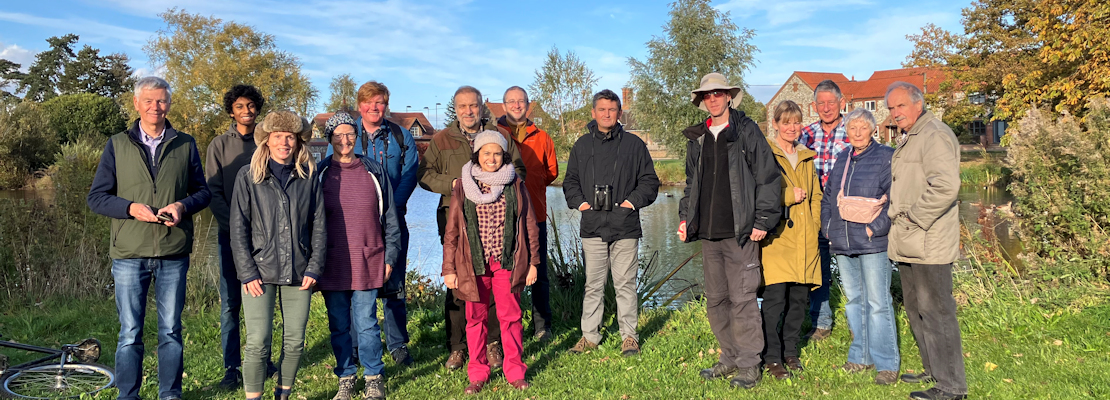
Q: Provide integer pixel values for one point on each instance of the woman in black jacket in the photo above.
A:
(860, 248)
(278, 240)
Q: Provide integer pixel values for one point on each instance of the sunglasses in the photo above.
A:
(716, 94)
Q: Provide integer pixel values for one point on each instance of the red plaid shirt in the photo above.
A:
(827, 146)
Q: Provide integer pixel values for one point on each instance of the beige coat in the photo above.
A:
(925, 175)
(790, 252)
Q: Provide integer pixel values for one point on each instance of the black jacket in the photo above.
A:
(868, 176)
(277, 235)
(619, 159)
(754, 178)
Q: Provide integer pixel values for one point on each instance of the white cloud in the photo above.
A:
(786, 11)
(18, 55)
(90, 31)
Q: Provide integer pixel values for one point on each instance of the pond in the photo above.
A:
(979, 207)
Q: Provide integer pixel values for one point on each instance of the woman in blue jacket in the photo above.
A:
(860, 248)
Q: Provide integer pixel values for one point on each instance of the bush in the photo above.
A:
(1061, 179)
(73, 115)
(27, 142)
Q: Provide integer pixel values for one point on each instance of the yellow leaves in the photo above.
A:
(989, 366)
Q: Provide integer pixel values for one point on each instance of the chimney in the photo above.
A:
(626, 98)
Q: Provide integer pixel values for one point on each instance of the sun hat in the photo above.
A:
(710, 82)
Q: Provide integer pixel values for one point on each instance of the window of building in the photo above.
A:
(977, 128)
(415, 131)
(869, 105)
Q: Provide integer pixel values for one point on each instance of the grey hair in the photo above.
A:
(526, 99)
(915, 93)
(827, 85)
(860, 114)
(469, 89)
(152, 82)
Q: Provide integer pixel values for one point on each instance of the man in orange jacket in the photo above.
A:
(538, 152)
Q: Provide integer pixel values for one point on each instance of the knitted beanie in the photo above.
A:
(487, 137)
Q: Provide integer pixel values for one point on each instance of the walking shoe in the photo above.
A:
(747, 378)
(232, 380)
(401, 356)
(582, 346)
(820, 334)
(794, 363)
(474, 387)
(375, 388)
(494, 355)
(936, 394)
(282, 394)
(346, 387)
(923, 377)
(520, 384)
(886, 377)
(630, 347)
(543, 335)
(718, 370)
(456, 360)
(852, 367)
(778, 371)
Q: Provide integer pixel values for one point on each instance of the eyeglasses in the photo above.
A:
(716, 94)
(515, 102)
(351, 136)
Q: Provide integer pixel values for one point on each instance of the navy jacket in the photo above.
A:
(102, 197)
(868, 176)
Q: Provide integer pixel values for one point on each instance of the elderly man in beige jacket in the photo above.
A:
(925, 238)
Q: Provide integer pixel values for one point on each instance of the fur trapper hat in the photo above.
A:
(283, 121)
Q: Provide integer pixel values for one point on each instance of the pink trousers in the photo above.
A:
(496, 282)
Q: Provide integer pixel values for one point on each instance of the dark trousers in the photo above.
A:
(931, 311)
(783, 303)
(820, 313)
(455, 308)
(732, 276)
(541, 290)
(231, 302)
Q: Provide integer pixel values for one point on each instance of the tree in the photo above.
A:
(1015, 55)
(72, 115)
(9, 77)
(27, 142)
(203, 57)
(754, 109)
(698, 39)
(41, 81)
(563, 84)
(88, 72)
(449, 112)
(344, 93)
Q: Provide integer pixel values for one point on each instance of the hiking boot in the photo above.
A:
(520, 384)
(778, 371)
(282, 394)
(474, 387)
(543, 335)
(232, 380)
(346, 387)
(375, 388)
(923, 377)
(820, 334)
(886, 377)
(630, 347)
(583, 346)
(494, 355)
(936, 394)
(747, 378)
(401, 356)
(718, 370)
(851, 367)
(794, 363)
(456, 360)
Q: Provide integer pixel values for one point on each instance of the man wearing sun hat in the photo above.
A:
(731, 200)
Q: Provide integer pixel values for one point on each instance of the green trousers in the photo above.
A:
(258, 316)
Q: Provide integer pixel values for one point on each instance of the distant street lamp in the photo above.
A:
(437, 114)
(407, 108)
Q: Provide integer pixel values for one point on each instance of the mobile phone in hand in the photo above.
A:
(165, 217)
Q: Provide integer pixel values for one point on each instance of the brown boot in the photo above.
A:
(778, 371)
(582, 346)
(630, 347)
(456, 360)
(494, 355)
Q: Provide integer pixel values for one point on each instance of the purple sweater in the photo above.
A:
(356, 249)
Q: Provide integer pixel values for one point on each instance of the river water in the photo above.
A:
(660, 222)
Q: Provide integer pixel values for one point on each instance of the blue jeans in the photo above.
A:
(866, 282)
(396, 316)
(132, 280)
(354, 311)
(231, 301)
(819, 311)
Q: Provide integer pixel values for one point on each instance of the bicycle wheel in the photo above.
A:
(55, 382)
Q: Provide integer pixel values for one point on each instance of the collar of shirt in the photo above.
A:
(151, 141)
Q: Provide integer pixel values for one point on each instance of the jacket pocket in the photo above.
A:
(591, 221)
(909, 239)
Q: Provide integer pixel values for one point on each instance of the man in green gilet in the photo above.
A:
(150, 182)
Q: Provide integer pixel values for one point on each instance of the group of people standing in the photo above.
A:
(291, 225)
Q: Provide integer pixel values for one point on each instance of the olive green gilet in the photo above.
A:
(132, 238)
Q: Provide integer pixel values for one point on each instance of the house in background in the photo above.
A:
(869, 94)
(415, 122)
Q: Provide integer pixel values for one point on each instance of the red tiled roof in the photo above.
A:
(404, 119)
(875, 87)
(813, 78)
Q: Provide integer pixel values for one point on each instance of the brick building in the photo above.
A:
(415, 122)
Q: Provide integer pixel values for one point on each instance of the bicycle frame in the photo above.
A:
(52, 354)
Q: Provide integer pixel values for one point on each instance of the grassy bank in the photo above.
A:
(1053, 345)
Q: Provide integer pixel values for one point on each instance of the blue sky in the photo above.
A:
(424, 50)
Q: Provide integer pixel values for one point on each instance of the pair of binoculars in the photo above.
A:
(603, 198)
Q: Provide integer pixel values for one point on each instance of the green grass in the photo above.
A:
(1015, 348)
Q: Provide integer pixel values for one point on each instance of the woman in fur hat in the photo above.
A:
(278, 240)
(491, 249)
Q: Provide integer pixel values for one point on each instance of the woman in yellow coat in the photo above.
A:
(791, 266)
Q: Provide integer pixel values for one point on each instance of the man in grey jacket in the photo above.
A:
(925, 239)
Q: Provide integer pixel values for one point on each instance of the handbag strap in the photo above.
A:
(844, 177)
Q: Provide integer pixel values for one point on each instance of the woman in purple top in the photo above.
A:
(363, 245)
